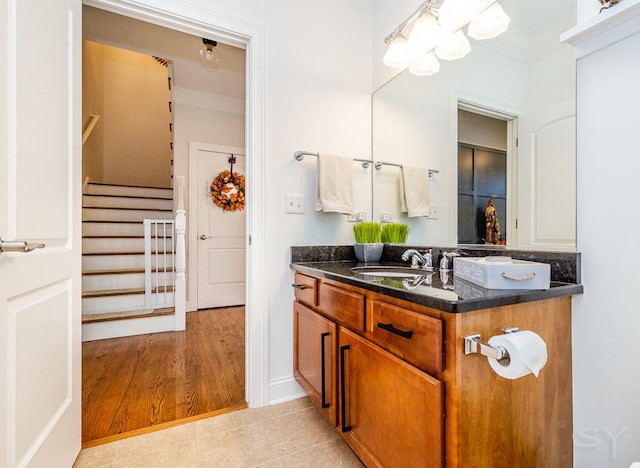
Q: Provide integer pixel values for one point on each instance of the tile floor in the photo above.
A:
(292, 434)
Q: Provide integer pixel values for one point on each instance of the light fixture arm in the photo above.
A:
(426, 6)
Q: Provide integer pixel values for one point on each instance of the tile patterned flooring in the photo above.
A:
(292, 434)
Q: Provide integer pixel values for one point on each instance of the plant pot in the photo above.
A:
(368, 252)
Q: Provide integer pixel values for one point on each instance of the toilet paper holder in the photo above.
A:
(474, 345)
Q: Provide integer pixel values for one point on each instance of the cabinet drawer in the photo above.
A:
(345, 306)
(414, 337)
(305, 289)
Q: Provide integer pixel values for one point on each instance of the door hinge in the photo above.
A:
(517, 142)
(516, 224)
(249, 239)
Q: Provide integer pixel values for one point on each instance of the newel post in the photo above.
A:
(181, 281)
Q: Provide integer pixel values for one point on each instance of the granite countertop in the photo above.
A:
(439, 290)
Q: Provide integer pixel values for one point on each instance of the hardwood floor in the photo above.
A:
(140, 381)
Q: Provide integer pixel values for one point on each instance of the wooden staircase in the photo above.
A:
(113, 278)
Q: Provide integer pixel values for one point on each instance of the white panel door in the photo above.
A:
(221, 238)
(40, 183)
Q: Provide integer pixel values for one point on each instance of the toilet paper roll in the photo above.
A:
(527, 354)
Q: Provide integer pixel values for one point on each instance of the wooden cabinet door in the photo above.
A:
(314, 358)
(391, 413)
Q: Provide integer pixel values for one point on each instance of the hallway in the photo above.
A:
(132, 383)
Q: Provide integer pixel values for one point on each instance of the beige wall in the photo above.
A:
(92, 103)
(133, 97)
(480, 130)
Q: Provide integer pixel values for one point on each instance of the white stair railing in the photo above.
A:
(165, 261)
(159, 263)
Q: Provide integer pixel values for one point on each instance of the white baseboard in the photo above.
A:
(283, 390)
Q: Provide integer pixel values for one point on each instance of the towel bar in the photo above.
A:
(299, 155)
(378, 165)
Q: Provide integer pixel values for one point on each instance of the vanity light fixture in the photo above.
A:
(436, 32)
(209, 55)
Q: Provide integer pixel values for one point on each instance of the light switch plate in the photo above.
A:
(295, 203)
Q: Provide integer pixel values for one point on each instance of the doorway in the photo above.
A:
(256, 396)
(485, 184)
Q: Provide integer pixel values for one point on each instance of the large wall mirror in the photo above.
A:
(500, 121)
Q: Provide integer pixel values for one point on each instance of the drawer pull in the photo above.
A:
(323, 370)
(396, 331)
(301, 287)
(343, 387)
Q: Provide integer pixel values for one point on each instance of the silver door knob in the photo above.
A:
(203, 237)
(18, 246)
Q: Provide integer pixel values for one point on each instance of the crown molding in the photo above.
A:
(612, 25)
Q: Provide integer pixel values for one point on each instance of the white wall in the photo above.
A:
(318, 99)
(606, 321)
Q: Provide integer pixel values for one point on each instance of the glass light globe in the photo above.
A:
(209, 57)
(454, 47)
(399, 54)
(424, 33)
(454, 13)
(426, 65)
(490, 23)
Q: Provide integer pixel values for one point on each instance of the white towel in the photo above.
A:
(334, 192)
(414, 191)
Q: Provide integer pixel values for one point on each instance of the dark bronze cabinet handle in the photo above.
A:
(301, 287)
(343, 387)
(396, 331)
(323, 370)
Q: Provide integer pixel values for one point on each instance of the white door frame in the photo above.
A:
(459, 99)
(237, 32)
(192, 273)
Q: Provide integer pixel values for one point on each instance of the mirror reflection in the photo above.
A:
(497, 129)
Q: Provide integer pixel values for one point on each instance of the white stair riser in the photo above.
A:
(103, 214)
(101, 305)
(125, 202)
(124, 281)
(122, 262)
(130, 327)
(98, 189)
(98, 228)
(112, 229)
(97, 245)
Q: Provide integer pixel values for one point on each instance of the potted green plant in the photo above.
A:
(368, 246)
(394, 233)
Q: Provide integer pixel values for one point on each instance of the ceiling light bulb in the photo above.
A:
(492, 22)
(209, 55)
(426, 65)
(425, 32)
(454, 47)
(399, 54)
(454, 13)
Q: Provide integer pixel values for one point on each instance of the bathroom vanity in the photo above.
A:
(384, 360)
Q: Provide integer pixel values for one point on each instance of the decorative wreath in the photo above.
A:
(227, 191)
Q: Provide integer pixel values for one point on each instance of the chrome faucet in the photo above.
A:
(446, 262)
(418, 260)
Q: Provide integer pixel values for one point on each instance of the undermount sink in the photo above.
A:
(390, 271)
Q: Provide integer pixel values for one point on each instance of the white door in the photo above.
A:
(40, 182)
(220, 237)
